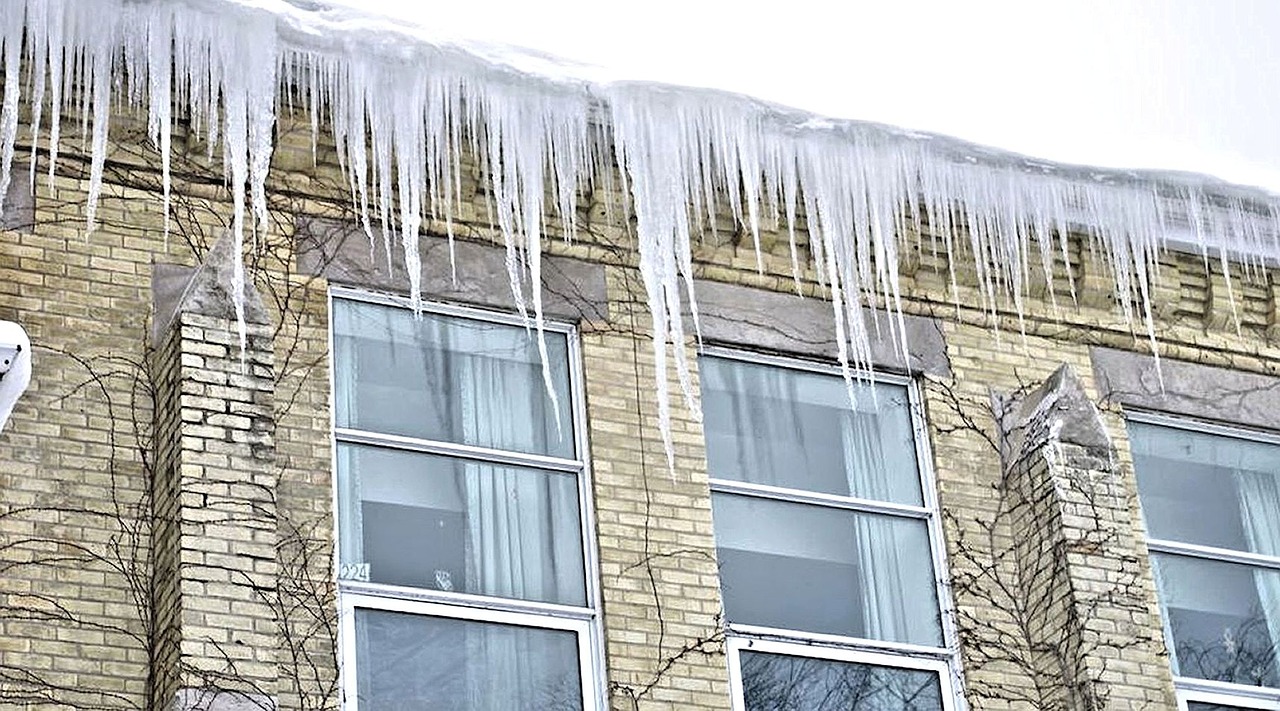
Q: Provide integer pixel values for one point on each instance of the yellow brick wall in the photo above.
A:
(657, 551)
(76, 459)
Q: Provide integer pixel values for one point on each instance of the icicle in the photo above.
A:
(11, 47)
(405, 114)
(98, 75)
(37, 24)
(159, 92)
(665, 177)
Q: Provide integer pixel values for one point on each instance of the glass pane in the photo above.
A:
(775, 682)
(457, 525)
(830, 571)
(1208, 489)
(1202, 706)
(448, 379)
(412, 662)
(1224, 618)
(796, 429)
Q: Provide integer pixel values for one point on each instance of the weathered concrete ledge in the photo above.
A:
(1190, 389)
(339, 251)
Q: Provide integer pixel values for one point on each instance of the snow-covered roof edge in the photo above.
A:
(402, 108)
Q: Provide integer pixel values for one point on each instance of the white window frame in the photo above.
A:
(944, 660)
(584, 621)
(735, 645)
(1187, 695)
(1190, 688)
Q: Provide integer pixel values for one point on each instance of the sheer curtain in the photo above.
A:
(511, 514)
(767, 439)
(897, 590)
(351, 516)
(1259, 493)
(386, 379)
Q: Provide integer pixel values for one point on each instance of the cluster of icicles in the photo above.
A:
(403, 111)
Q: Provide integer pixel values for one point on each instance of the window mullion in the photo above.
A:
(1226, 555)
(472, 600)
(838, 642)
(464, 451)
(1222, 693)
(728, 486)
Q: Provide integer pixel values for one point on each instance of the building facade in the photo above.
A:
(340, 501)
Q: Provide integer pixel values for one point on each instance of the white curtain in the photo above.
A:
(1259, 493)
(511, 516)
(381, 376)
(767, 440)
(346, 403)
(351, 517)
(898, 599)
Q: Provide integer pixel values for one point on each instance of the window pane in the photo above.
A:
(1224, 618)
(795, 429)
(412, 662)
(1208, 489)
(1201, 706)
(459, 525)
(448, 379)
(775, 682)
(831, 571)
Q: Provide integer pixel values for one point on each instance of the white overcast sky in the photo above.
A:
(1166, 84)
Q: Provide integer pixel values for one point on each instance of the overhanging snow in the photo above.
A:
(403, 109)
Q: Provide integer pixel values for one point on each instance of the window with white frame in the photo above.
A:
(1211, 501)
(462, 515)
(827, 538)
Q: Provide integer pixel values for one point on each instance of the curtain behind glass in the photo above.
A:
(809, 568)
(1216, 618)
(509, 511)
(396, 373)
(430, 521)
(796, 429)
(469, 382)
(1260, 510)
(898, 598)
(754, 426)
(508, 514)
(1214, 490)
(1189, 486)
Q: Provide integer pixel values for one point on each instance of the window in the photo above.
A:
(1211, 500)
(827, 539)
(463, 562)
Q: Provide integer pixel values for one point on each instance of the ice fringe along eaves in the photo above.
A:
(402, 110)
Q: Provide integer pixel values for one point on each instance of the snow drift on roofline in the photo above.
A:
(402, 109)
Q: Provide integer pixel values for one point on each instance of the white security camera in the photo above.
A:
(15, 367)
(9, 353)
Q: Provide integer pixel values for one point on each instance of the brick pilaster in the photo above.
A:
(215, 546)
(1081, 569)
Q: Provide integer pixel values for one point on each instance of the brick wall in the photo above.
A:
(93, 528)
